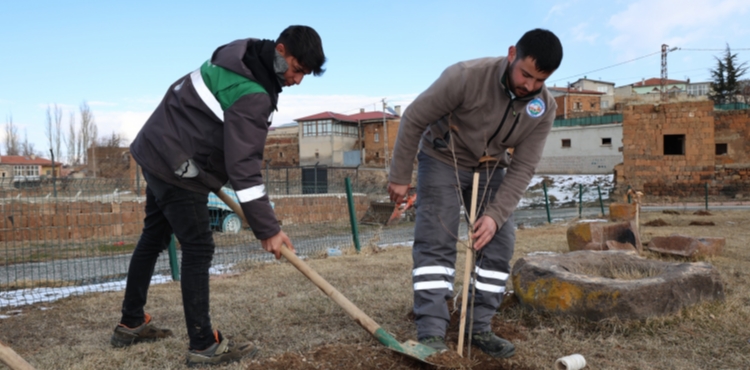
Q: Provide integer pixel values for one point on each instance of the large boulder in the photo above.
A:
(594, 235)
(605, 284)
(622, 211)
(687, 246)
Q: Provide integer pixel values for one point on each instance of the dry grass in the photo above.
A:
(293, 322)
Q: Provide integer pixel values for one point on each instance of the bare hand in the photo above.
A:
(398, 192)
(274, 243)
(484, 230)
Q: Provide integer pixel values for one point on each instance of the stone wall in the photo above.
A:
(733, 129)
(282, 151)
(589, 105)
(87, 220)
(374, 155)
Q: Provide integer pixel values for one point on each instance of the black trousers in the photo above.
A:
(171, 209)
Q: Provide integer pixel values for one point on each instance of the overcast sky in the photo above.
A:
(120, 57)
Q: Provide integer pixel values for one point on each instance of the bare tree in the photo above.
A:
(71, 142)
(12, 146)
(88, 127)
(27, 149)
(53, 129)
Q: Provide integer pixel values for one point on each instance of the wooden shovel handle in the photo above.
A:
(353, 311)
(11, 359)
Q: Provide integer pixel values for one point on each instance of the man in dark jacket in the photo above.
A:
(210, 128)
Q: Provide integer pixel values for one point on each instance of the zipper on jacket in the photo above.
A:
(512, 127)
(510, 104)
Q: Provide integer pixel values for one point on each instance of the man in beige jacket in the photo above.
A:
(476, 108)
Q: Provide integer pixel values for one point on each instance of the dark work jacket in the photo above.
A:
(211, 128)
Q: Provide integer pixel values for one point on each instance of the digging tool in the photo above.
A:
(10, 358)
(469, 265)
(409, 348)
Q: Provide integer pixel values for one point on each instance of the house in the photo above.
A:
(698, 88)
(26, 168)
(607, 88)
(576, 102)
(335, 139)
(651, 86)
(582, 149)
(378, 135)
(282, 146)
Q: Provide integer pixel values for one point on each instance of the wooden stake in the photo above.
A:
(11, 359)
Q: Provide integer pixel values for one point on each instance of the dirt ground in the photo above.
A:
(296, 326)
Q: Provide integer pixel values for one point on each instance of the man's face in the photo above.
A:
(523, 75)
(296, 72)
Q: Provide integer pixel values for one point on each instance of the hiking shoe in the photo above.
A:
(221, 352)
(493, 345)
(146, 332)
(436, 343)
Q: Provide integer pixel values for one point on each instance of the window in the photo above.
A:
(721, 149)
(606, 141)
(602, 89)
(281, 154)
(377, 137)
(593, 105)
(566, 143)
(674, 144)
(25, 171)
(697, 90)
(577, 106)
(605, 103)
(317, 155)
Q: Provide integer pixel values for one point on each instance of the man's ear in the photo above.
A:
(281, 49)
(511, 53)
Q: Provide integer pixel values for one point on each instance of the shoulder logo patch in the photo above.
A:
(535, 108)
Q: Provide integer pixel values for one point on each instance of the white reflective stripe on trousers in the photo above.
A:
(492, 288)
(251, 194)
(438, 284)
(491, 274)
(433, 270)
(205, 94)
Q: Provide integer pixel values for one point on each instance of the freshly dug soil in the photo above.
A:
(702, 223)
(657, 222)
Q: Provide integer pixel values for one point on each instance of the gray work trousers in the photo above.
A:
(434, 253)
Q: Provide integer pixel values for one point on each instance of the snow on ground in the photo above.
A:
(563, 189)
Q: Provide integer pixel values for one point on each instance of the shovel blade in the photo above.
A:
(409, 348)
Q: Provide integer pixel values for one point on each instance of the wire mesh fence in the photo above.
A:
(72, 236)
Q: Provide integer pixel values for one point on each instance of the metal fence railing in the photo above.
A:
(75, 236)
(588, 121)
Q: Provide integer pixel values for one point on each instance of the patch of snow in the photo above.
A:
(564, 189)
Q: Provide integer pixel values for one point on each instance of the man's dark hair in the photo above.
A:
(542, 46)
(304, 44)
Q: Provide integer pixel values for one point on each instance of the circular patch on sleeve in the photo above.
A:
(535, 108)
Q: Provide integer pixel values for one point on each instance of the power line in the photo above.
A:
(688, 49)
(614, 65)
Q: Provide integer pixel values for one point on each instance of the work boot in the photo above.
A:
(493, 345)
(222, 352)
(146, 332)
(436, 343)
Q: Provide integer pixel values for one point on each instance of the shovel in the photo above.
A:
(409, 348)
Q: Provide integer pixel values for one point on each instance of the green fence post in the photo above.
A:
(601, 202)
(628, 194)
(706, 196)
(546, 202)
(352, 214)
(173, 259)
(580, 200)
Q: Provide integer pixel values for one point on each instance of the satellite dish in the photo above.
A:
(391, 111)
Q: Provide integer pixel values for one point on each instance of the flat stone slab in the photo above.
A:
(687, 246)
(606, 284)
(594, 235)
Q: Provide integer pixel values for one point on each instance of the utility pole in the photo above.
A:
(664, 50)
(385, 134)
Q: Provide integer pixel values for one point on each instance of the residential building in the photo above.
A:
(651, 86)
(282, 146)
(589, 149)
(698, 88)
(576, 102)
(607, 88)
(324, 138)
(377, 139)
(27, 168)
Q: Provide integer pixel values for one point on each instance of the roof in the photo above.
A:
(326, 115)
(597, 81)
(365, 116)
(20, 160)
(574, 90)
(656, 82)
(286, 125)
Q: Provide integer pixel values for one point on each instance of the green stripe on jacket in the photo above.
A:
(228, 86)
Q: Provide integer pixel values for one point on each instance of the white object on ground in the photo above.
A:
(572, 362)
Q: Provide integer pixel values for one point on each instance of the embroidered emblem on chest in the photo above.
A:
(535, 108)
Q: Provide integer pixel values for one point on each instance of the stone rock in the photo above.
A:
(585, 235)
(687, 246)
(584, 284)
(614, 245)
(622, 211)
